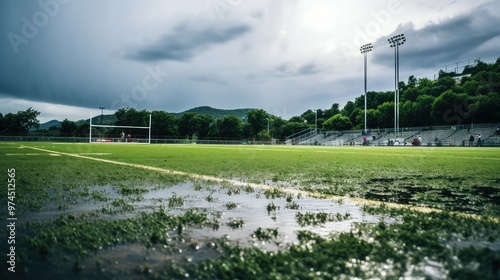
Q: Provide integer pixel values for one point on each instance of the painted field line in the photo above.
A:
(253, 185)
(26, 154)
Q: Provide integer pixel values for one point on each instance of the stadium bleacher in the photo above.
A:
(430, 136)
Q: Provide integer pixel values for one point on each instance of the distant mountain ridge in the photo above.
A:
(216, 113)
(202, 110)
(49, 124)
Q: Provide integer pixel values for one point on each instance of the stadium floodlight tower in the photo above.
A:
(364, 50)
(395, 42)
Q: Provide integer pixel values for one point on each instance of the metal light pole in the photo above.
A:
(267, 126)
(316, 121)
(364, 50)
(102, 112)
(395, 42)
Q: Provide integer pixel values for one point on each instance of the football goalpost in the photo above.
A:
(123, 138)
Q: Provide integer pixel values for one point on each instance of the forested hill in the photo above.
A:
(216, 113)
(472, 96)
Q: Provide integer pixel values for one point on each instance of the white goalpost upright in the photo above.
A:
(119, 126)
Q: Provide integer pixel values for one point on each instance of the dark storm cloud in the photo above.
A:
(445, 42)
(286, 70)
(186, 40)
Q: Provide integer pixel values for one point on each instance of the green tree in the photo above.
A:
(356, 116)
(338, 122)
(372, 116)
(348, 108)
(21, 122)
(309, 116)
(328, 113)
(163, 124)
(296, 119)
(257, 120)
(410, 94)
(277, 125)
(407, 114)
(291, 128)
(205, 126)
(68, 128)
(449, 108)
(423, 110)
(230, 127)
(82, 129)
(412, 81)
(189, 124)
(424, 82)
(131, 117)
(386, 114)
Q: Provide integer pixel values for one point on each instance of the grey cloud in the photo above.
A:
(286, 70)
(441, 43)
(208, 79)
(187, 39)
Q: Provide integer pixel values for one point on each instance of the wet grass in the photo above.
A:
(396, 174)
(403, 242)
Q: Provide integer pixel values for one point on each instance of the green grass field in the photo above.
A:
(251, 212)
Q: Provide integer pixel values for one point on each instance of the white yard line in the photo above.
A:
(244, 184)
(26, 154)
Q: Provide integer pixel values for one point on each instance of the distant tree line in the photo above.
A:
(472, 96)
(20, 123)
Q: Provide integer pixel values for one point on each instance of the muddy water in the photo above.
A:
(196, 244)
(252, 209)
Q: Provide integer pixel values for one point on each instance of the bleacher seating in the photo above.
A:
(446, 136)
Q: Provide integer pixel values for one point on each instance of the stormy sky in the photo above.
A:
(66, 58)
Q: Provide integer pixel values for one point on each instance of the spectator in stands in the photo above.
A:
(364, 140)
(436, 141)
(415, 142)
(129, 137)
(471, 140)
(479, 140)
(498, 130)
(122, 136)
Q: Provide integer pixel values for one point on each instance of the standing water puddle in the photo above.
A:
(240, 212)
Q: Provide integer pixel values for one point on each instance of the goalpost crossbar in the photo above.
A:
(120, 126)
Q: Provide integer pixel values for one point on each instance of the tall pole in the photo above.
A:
(90, 128)
(395, 42)
(267, 126)
(395, 91)
(102, 112)
(397, 85)
(316, 121)
(364, 50)
(149, 139)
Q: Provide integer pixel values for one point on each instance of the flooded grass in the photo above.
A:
(79, 218)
